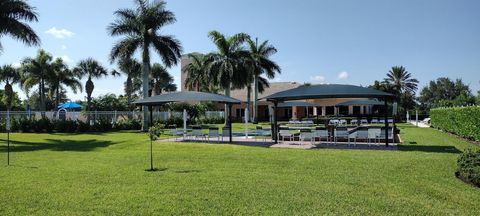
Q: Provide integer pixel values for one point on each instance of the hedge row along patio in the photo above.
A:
(462, 121)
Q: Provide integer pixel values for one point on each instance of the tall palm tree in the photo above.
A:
(133, 70)
(12, 13)
(161, 80)
(261, 65)
(226, 65)
(36, 71)
(92, 69)
(197, 73)
(141, 27)
(9, 75)
(62, 77)
(401, 80)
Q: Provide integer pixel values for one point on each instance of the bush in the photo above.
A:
(128, 124)
(462, 121)
(66, 126)
(102, 125)
(213, 120)
(469, 167)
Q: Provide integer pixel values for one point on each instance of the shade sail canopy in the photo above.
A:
(360, 102)
(186, 96)
(296, 104)
(70, 105)
(327, 91)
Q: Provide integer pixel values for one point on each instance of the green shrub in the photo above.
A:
(82, 126)
(102, 125)
(213, 120)
(42, 125)
(469, 167)
(66, 126)
(128, 124)
(462, 121)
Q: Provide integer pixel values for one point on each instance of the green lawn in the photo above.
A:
(104, 174)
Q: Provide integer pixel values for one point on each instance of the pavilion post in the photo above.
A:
(386, 123)
(274, 126)
(230, 122)
(151, 115)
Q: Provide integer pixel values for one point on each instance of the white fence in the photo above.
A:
(94, 115)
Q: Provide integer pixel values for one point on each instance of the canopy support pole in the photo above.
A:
(274, 126)
(386, 123)
(230, 122)
(151, 115)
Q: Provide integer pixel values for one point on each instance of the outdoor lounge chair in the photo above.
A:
(374, 121)
(321, 133)
(381, 121)
(364, 121)
(307, 135)
(382, 134)
(342, 122)
(197, 133)
(354, 121)
(212, 133)
(225, 132)
(260, 132)
(285, 133)
(341, 132)
(361, 134)
(373, 133)
(176, 133)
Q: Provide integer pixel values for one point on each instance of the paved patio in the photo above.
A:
(287, 144)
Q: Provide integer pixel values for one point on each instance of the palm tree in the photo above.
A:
(62, 77)
(92, 69)
(401, 80)
(141, 27)
(197, 73)
(9, 75)
(161, 80)
(261, 65)
(132, 69)
(226, 65)
(12, 13)
(36, 71)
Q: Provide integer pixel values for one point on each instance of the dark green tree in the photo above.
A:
(61, 78)
(14, 15)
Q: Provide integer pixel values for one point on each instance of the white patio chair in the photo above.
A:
(373, 133)
(381, 121)
(341, 132)
(354, 122)
(260, 132)
(320, 134)
(362, 134)
(390, 120)
(364, 121)
(342, 122)
(176, 133)
(197, 133)
(382, 134)
(374, 121)
(225, 132)
(285, 133)
(212, 133)
(307, 136)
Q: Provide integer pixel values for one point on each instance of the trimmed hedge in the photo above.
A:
(462, 121)
(469, 167)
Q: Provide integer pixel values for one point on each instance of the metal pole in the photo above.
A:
(151, 116)
(8, 137)
(246, 122)
(275, 132)
(184, 123)
(416, 118)
(230, 122)
(386, 123)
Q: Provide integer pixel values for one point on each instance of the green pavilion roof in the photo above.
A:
(296, 104)
(186, 96)
(327, 91)
(360, 102)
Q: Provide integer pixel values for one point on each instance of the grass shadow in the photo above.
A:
(429, 148)
(56, 145)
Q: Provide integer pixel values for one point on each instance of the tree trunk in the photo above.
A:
(255, 100)
(89, 86)
(227, 108)
(41, 90)
(145, 84)
(57, 97)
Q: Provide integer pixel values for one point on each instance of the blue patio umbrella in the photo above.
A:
(70, 105)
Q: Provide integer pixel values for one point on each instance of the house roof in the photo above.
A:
(296, 104)
(360, 102)
(327, 91)
(241, 94)
(186, 96)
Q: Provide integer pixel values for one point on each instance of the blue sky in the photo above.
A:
(335, 41)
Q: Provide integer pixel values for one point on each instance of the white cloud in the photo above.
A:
(16, 64)
(65, 58)
(318, 79)
(342, 75)
(60, 33)
(64, 47)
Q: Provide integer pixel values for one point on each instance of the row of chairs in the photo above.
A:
(340, 133)
(213, 133)
(361, 121)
